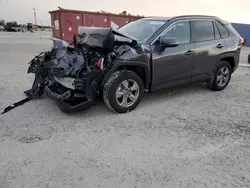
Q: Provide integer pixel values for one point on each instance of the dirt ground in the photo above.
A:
(182, 138)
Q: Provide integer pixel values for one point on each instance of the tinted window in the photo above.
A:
(142, 29)
(202, 30)
(216, 32)
(180, 30)
(223, 31)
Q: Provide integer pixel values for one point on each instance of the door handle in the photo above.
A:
(219, 46)
(189, 52)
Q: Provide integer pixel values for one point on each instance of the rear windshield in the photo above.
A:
(142, 29)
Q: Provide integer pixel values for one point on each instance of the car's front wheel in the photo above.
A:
(222, 76)
(123, 91)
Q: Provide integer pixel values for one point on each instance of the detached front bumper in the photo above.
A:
(68, 101)
(67, 107)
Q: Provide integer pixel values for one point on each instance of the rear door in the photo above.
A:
(208, 48)
(173, 65)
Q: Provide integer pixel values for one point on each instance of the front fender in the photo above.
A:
(123, 63)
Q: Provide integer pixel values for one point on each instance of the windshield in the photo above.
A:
(141, 29)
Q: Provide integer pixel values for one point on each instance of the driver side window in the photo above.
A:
(180, 30)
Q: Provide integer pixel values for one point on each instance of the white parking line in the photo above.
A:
(244, 65)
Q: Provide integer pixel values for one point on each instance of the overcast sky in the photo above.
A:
(231, 10)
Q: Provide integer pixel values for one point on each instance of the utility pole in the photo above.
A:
(35, 15)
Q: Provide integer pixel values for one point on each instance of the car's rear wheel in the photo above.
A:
(222, 76)
(123, 91)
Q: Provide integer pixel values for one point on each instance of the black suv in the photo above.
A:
(144, 55)
(181, 50)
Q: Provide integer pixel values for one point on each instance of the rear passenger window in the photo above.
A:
(223, 31)
(202, 30)
(216, 31)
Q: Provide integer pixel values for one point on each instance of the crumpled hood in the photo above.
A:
(99, 37)
(103, 31)
(119, 33)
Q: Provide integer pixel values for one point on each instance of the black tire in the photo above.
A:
(111, 86)
(215, 83)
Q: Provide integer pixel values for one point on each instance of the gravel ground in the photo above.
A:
(188, 137)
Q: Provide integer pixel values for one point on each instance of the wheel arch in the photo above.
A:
(141, 69)
(230, 58)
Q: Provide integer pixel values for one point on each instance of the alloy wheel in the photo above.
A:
(223, 76)
(127, 93)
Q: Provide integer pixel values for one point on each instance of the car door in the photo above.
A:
(208, 48)
(172, 65)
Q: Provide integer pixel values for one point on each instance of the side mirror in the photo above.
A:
(169, 42)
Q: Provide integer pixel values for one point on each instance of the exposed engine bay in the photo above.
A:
(73, 75)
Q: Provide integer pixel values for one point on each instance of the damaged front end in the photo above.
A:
(73, 75)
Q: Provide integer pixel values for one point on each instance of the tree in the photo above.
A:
(12, 24)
